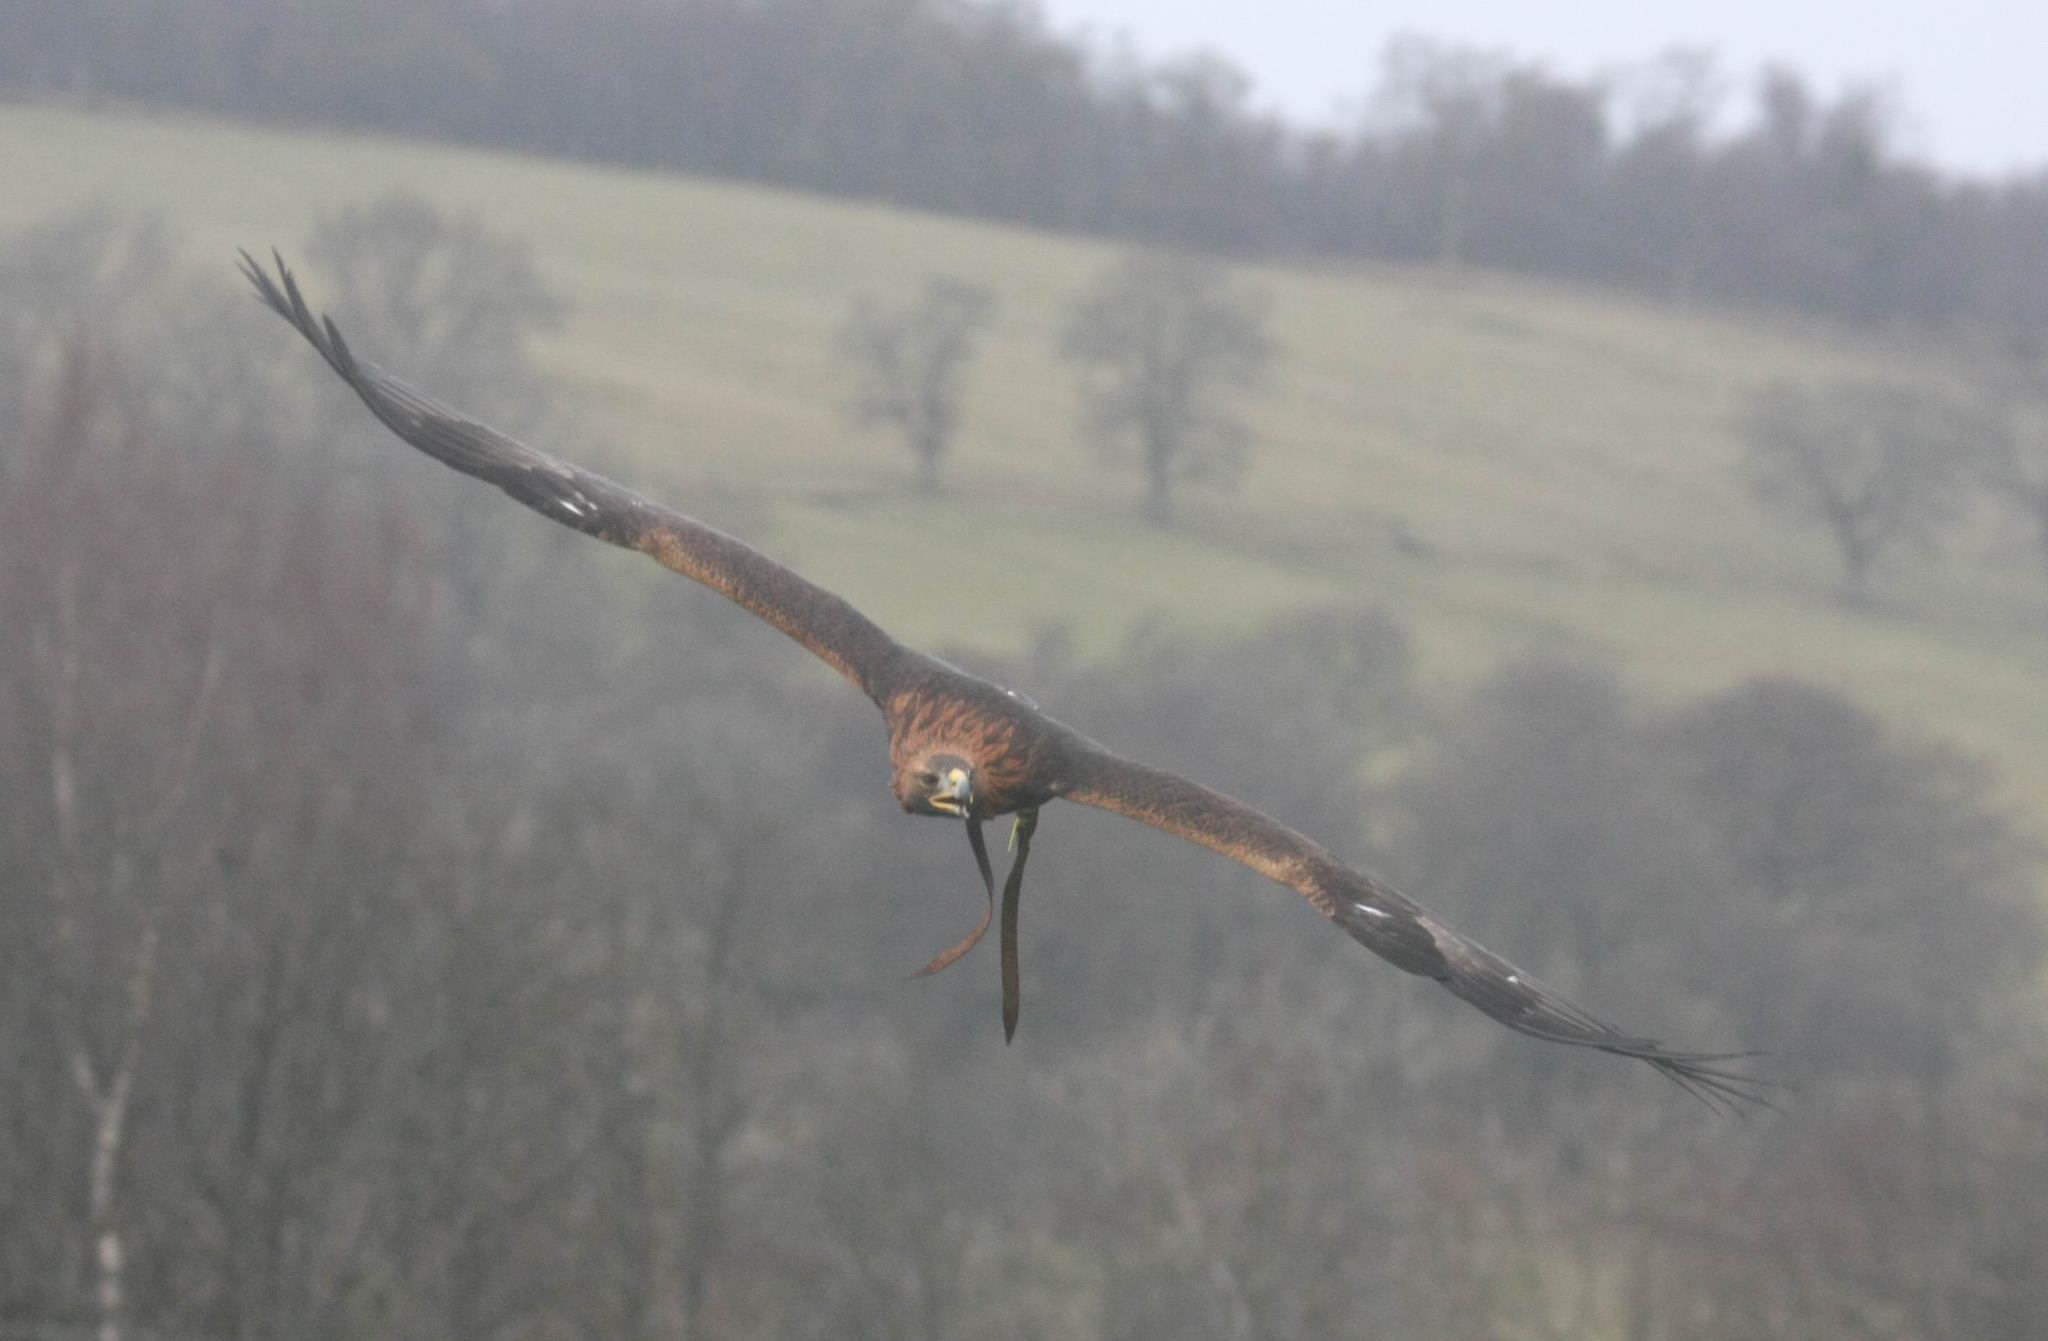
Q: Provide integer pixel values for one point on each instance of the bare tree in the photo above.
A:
(1837, 829)
(1166, 343)
(909, 361)
(1880, 466)
(460, 302)
(1763, 859)
(450, 291)
(2014, 462)
(103, 771)
(216, 904)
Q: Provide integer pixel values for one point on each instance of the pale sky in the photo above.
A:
(1973, 73)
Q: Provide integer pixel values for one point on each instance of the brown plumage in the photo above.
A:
(966, 749)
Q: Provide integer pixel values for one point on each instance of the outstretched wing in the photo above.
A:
(1386, 921)
(838, 634)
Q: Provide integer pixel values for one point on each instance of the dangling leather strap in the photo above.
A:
(988, 881)
(1013, 892)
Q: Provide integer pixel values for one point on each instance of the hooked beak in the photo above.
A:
(955, 795)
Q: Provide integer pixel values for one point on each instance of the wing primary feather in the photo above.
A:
(828, 626)
(1393, 926)
(1374, 915)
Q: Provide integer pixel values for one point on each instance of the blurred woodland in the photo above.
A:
(1642, 177)
(416, 921)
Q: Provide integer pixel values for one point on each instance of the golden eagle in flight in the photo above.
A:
(965, 749)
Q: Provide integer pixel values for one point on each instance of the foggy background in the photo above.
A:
(1613, 507)
(1959, 72)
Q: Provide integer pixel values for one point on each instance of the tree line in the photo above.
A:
(418, 922)
(979, 107)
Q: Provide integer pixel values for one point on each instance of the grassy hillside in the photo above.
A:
(1507, 465)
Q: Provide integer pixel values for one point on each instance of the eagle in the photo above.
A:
(964, 749)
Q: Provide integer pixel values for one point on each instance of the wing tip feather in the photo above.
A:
(1401, 932)
(282, 295)
(1702, 1075)
(1707, 1076)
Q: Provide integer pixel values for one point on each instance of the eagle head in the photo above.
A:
(937, 784)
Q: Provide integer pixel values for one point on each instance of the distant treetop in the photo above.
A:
(977, 107)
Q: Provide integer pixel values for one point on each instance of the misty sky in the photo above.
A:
(1970, 70)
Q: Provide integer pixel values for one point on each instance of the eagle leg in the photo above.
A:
(988, 881)
(1013, 892)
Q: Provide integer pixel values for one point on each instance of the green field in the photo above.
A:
(1509, 465)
